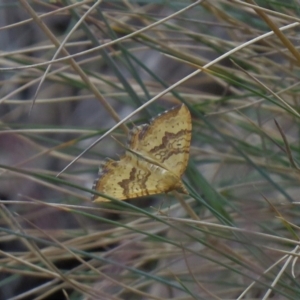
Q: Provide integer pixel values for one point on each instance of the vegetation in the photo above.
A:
(73, 73)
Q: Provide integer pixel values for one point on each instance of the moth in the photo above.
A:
(156, 158)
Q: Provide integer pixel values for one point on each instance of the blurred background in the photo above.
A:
(71, 70)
